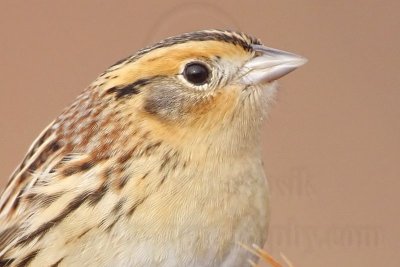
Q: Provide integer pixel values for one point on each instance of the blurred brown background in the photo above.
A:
(332, 142)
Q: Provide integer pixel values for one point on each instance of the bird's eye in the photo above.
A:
(196, 73)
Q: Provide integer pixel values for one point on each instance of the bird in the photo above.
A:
(156, 163)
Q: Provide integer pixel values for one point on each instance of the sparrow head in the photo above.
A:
(201, 95)
(206, 85)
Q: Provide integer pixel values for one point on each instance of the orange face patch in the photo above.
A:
(168, 61)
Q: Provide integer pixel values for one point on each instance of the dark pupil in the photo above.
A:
(196, 73)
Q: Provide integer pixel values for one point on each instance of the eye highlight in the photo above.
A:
(196, 73)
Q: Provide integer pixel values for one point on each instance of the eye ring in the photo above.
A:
(197, 73)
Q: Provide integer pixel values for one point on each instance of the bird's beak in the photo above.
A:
(269, 64)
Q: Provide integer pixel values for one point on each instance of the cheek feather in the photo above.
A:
(188, 114)
(215, 109)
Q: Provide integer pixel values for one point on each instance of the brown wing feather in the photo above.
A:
(7, 235)
(43, 152)
(55, 146)
(23, 175)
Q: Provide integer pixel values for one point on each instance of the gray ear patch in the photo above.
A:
(166, 100)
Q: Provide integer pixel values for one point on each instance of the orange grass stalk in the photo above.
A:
(265, 257)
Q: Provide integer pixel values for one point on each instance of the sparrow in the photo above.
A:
(156, 163)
